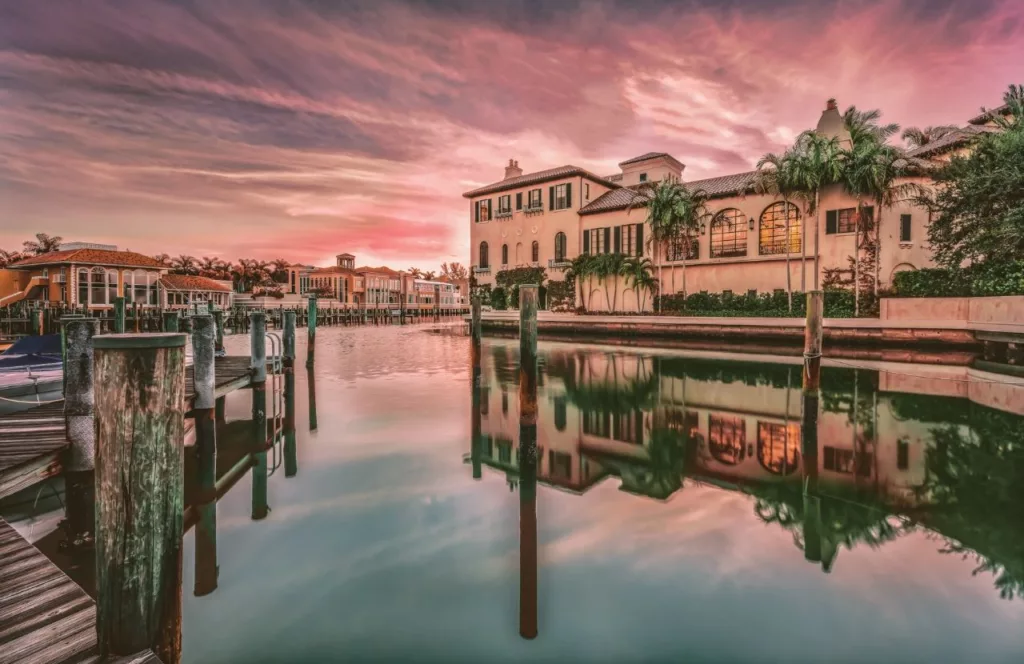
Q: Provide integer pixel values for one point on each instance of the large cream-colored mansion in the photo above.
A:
(546, 218)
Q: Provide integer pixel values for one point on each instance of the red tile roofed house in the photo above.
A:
(350, 285)
(83, 274)
(182, 290)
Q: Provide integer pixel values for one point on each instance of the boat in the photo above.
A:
(31, 372)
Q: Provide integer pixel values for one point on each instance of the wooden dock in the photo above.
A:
(45, 617)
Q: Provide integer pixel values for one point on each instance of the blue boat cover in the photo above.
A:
(47, 344)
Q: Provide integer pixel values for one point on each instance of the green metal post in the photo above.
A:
(291, 467)
(311, 330)
(119, 315)
(258, 346)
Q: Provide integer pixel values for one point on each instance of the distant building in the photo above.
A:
(355, 286)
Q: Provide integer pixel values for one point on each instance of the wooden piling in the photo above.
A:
(311, 383)
(476, 453)
(809, 426)
(291, 467)
(79, 405)
(311, 331)
(528, 461)
(204, 340)
(218, 321)
(258, 347)
(813, 331)
(139, 384)
(119, 314)
(170, 321)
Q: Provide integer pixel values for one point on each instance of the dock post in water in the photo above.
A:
(474, 355)
(204, 339)
(311, 332)
(528, 461)
(119, 314)
(813, 332)
(139, 381)
(809, 426)
(170, 321)
(288, 365)
(258, 346)
(79, 404)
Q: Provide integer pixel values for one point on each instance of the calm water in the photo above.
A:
(672, 518)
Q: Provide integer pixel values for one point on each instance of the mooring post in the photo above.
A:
(528, 461)
(79, 403)
(437, 302)
(204, 383)
(40, 321)
(218, 321)
(809, 425)
(185, 322)
(258, 362)
(170, 321)
(139, 383)
(311, 383)
(119, 315)
(288, 365)
(135, 317)
(474, 355)
(311, 332)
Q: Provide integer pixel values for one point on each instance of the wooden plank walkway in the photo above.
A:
(45, 617)
(31, 442)
(232, 373)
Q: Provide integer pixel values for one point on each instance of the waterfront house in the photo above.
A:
(547, 218)
(179, 291)
(351, 285)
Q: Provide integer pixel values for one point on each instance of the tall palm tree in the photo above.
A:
(43, 244)
(777, 175)
(863, 125)
(816, 163)
(639, 271)
(185, 264)
(916, 138)
(8, 257)
(163, 259)
(580, 269)
(280, 271)
(1013, 99)
(613, 270)
(209, 266)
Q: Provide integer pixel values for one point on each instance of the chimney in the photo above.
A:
(831, 124)
(513, 170)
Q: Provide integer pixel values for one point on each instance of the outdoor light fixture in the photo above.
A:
(703, 228)
(750, 223)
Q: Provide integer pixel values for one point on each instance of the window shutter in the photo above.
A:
(490, 209)
(476, 211)
(607, 239)
(519, 201)
(568, 196)
(586, 242)
(831, 222)
(639, 239)
(869, 214)
(904, 228)
(618, 239)
(551, 196)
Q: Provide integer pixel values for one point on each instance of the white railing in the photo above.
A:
(558, 263)
(481, 270)
(503, 214)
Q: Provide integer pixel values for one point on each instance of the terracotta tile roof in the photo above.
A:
(614, 177)
(535, 178)
(333, 269)
(616, 199)
(379, 270)
(987, 115)
(91, 257)
(192, 282)
(650, 155)
(720, 187)
(950, 141)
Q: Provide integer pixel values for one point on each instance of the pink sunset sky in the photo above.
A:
(304, 129)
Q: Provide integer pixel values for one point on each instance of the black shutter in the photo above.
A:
(618, 239)
(551, 196)
(607, 239)
(869, 213)
(476, 211)
(568, 196)
(904, 228)
(586, 242)
(490, 209)
(831, 222)
(519, 201)
(639, 239)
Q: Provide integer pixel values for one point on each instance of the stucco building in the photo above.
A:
(547, 218)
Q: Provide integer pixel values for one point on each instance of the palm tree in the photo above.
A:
(163, 259)
(777, 175)
(580, 269)
(639, 271)
(455, 271)
(1013, 99)
(184, 264)
(816, 163)
(415, 272)
(613, 270)
(920, 137)
(209, 266)
(8, 257)
(280, 270)
(863, 125)
(43, 244)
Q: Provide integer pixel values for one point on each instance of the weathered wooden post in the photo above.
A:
(119, 314)
(258, 347)
(813, 332)
(288, 365)
(437, 302)
(218, 321)
(170, 321)
(139, 384)
(79, 403)
(474, 355)
(311, 332)
(185, 322)
(809, 426)
(311, 381)
(39, 321)
(204, 384)
(528, 461)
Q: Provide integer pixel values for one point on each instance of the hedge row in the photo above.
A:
(984, 279)
(838, 304)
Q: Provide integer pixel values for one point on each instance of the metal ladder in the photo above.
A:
(275, 375)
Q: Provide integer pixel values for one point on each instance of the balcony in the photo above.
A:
(481, 269)
(558, 263)
(503, 214)
(58, 278)
(533, 208)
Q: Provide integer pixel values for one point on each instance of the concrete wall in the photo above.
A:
(991, 313)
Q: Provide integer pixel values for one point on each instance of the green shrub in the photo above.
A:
(838, 304)
(984, 279)
(561, 295)
(499, 299)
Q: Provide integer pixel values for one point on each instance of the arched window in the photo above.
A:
(728, 234)
(519, 253)
(559, 246)
(535, 252)
(83, 286)
(484, 261)
(112, 286)
(778, 447)
(504, 254)
(772, 236)
(98, 286)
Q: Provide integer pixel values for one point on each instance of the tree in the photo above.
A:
(863, 126)
(163, 259)
(9, 257)
(978, 208)
(213, 267)
(415, 272)
(916, 138)
(184, 264)
(279, 273)
(429, 276)
(816, 163)
(454, 271)
(43, 244)
(777, 174)
(580, 269)
(639, 272)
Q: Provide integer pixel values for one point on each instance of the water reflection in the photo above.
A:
(891, 452)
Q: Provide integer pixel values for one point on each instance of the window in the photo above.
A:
(504, 403)
(483, 210)
(505, 204)
(560, 465)
(902, 453)
(596, 241)
(560, 413)
(778, 447)
(629, 239)
(484, 261)
(504, 254)
(772, 239)
(97, 286)
(728, 234)
(840, 460)
(535, 252)
(112, 286)
(83, 286)
(560, 196)
(534, 200)
(586, 190)
(643, 177)
(519, 201)
(904, 228)
(727, 437)
(845, 220)
(559, 246)
(685, 245)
